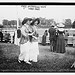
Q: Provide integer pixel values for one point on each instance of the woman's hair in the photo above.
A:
(37, 19)
(25, 20)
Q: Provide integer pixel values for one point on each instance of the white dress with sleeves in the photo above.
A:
(24, 48)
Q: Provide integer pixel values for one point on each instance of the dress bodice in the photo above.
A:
(61, 31)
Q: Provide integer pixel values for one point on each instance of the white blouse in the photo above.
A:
(61, 29)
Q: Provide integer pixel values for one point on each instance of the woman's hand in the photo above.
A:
(30, 33)
(34, 37)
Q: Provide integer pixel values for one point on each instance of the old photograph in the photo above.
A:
(37, 38)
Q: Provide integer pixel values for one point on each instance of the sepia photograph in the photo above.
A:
(37, 38)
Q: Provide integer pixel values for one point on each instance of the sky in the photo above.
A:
(58, 12)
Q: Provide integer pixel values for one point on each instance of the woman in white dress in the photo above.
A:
(24, 42)
(34, 49)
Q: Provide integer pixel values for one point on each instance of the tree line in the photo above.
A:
(43, 22)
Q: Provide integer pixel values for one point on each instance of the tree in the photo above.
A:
(5, 22)
(73, 25)
(68, 22)
(13, 22)
(52, 21)
(43, 21)
(1, 26)
(20, 22)
(9, 22)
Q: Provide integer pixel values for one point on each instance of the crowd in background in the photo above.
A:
(43, 23)
(56, 37)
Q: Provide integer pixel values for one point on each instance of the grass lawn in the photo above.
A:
(47, 61)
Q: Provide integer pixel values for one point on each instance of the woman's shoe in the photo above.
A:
(28, 62)
(19, 61)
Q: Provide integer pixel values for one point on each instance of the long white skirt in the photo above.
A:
(34, 51)
(24, 52)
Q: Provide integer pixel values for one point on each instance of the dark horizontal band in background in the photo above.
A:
(37, 3)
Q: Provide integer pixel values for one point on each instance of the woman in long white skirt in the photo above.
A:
(34, 49)
(24, 53)
(24, 42)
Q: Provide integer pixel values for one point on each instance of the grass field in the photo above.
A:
(47, 61)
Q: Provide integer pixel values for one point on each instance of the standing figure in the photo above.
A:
(34, 49)
(18, 36)
(24, 41)
(44, 38)
(52, 38)
(60, 46)
(1, 36)
(7, 35)
(73, 25)
(56, 36)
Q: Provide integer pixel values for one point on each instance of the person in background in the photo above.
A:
(52, 38)
(1, 36)
(73, 25)
(18, 35)
(60, 46)
(44, 38)
(7, 35)
(56, 28)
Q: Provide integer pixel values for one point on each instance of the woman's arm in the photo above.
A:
(31, 33)
(35, 34)
(23, 31)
